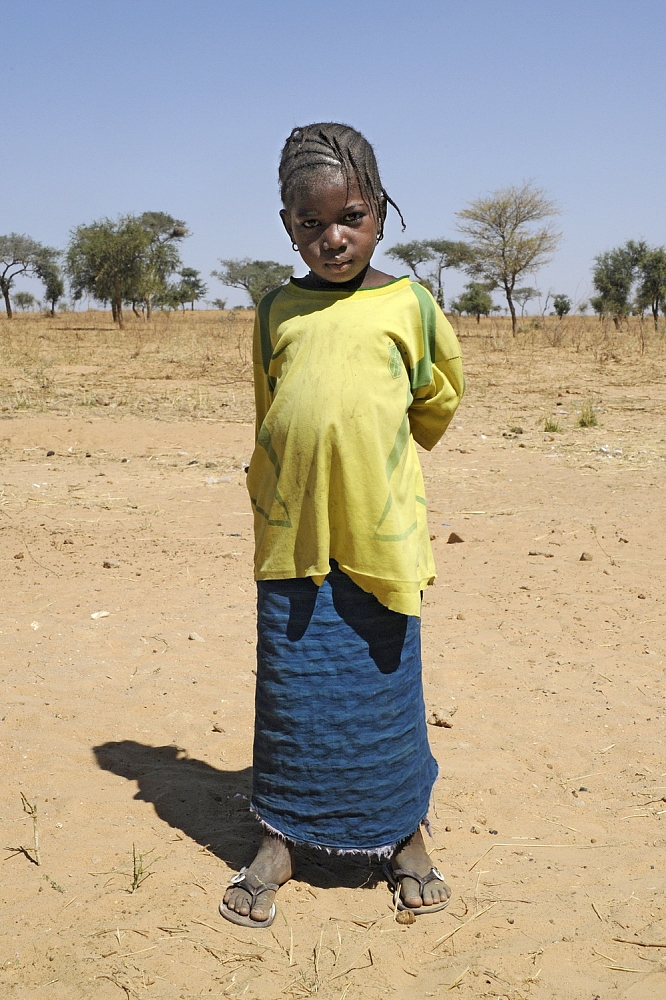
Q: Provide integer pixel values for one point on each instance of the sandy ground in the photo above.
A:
(135, 728)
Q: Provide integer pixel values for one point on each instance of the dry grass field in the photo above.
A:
(126, 672)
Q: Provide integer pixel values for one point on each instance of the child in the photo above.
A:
(351, 367)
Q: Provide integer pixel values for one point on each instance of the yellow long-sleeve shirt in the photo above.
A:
(345, 382)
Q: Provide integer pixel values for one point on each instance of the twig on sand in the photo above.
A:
(449, 934)
(640, 944)
(458, 980)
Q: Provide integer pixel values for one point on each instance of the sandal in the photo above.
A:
(394, 879)
(254, 887)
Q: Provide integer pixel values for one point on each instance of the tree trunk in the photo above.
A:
(114, 317)
(192, 305)
(512, 308)
(8, 305)
(655, 314)
(119, 306)
(478, 317)
(135, 310)
(149, 307)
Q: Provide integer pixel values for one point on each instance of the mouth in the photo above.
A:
(338, 265)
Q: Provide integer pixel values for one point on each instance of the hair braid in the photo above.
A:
(330, 145)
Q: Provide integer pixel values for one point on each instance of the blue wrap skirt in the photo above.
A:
(341, 754)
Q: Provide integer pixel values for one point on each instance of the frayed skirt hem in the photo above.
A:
(387, 851)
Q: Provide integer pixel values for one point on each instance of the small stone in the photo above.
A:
(442, 717)
(585, 557)
(405, 917)
(460, 616)
(217, 728)
(123, 460)
(641, 597)
(593, 840)
(49, 454)
(510, 920)
(474, 829)
(100, 614)
(447, 829)
(433, 538)
(19, 555)
(111, 564)
(494, 832)
(193, 462)
(454, 538)
(195, 637)
(88, 455)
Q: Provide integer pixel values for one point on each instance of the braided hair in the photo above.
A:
(332, 146)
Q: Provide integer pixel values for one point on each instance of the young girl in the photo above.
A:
(351, 367)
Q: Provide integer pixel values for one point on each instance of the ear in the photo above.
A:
(284, 215)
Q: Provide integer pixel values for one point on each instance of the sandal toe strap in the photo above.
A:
(433, 875)
(252, 884)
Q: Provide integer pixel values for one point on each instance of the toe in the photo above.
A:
(410, 893)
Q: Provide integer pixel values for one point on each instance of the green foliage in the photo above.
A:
(54, 286)
(651, 277)
(256, 277)
(588, 417)
(551, 426)
(191, 287)
(220, 304)
(23, 300)
(128, 260)
(438, 254)
(613, 276)
(561, 305)
(475, 301)
(503, 243)
(21, 255)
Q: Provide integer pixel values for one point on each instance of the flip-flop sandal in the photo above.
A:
(254, 887)
(394, 879)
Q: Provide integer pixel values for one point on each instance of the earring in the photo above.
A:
(293, 246)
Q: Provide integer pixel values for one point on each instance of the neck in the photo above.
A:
(318, 284)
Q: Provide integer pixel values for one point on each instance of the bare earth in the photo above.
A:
(135, 728)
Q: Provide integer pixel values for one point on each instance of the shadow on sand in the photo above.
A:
(212, 808)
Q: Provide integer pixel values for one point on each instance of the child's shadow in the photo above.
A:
(212, 807)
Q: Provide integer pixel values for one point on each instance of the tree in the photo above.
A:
(23, 300)
(256, 277)
(220, 304)
(162, 257)
(54, 286)
(524, 295)
(20, 255)
(503, 243)
(440, 254)
(109, 260)
(474, 301)
(561, 305)
(192, 288)
(651, 275)
(613, 276)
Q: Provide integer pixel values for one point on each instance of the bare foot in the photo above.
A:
(414, 857)
(273, 863)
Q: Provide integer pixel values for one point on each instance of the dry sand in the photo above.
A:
(549, 814)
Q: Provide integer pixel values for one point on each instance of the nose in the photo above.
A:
(334, 239)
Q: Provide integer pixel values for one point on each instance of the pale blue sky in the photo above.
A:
(115, 106)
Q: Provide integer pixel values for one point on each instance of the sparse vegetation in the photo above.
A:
(588, 417)
(551, 426)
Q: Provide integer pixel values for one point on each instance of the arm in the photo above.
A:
(438, 383)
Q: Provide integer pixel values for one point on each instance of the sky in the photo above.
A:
(182, 106)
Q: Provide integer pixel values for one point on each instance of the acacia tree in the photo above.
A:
(561, 305)
(24, 300)
(107, 260)
(162, 256)
(502, 238)
(21, 255)
(613, 275)
(54, 286)
(651, 275)
(256, 277)
(524, 295)
(439, 254)
(475, 300)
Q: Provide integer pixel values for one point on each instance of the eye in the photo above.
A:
(354, 218)
(309, 223)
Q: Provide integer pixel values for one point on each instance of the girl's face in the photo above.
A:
(332, 226)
